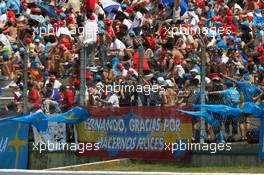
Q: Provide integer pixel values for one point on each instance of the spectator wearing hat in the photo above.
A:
(122, 70)
(67, 98)
(52, 79)
(249, 93)
(52, 99)
(111, 99)
(90, 37)
(169, 96)
(34, 97)
(231, 98)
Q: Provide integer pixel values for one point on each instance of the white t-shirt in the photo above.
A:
(90, 31)
(137, 20)
(224, 59)
(181, 71)
(194, 19)
(56, 85)
(4, 40)
(124, 73)
(113, 99)
(134, 71)
(117, 44)
(3, 18)
(128, 23)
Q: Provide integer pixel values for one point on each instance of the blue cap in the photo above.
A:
(131, 33)
(261, 68)
(221, 44)
(46, 73)
(59, 5)
(238, 40)
(261, 33)
(3, 9)
(258, 11)
(45, 56)
(39, 37)
(231, 37)
(247, 77)
(101, 24)
(12, 5)
(32, 55)
(47, 46)
(22, 50)
(98, 77)
(245, 23)
(218, 24)
(15, 47)
(63, 15)
(218, 36)
(5, 56)
(123, 6)
(210, 35)
(229, 83)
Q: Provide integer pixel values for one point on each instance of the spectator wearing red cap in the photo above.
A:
(122, 70)
(52, 80)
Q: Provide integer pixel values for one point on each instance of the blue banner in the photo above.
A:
(253, 109)
(222, 110)
(209, 118)
(13, 145)
(39, 120)
(73, 116)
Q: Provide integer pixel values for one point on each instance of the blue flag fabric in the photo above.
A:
(73, 116)
(39, 120)
(183, 6)
(222, 110)
(253, 109)
(167, 1)
(205, 115)
(13, 144)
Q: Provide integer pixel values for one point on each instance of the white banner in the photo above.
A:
(54, 138)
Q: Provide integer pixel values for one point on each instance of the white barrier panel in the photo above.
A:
(37, 172)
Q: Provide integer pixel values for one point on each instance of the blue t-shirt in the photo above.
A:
(210, 14)
(56, 95)
(232, 97)
(3, 7)
(248, 90)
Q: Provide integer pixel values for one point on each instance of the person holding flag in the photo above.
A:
(249, 93)
(232, 99)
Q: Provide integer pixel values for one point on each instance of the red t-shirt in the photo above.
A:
(136, 62)
(90, 4)
(68, 98)
(35, 97)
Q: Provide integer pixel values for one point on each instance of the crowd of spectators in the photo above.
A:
(166, 37)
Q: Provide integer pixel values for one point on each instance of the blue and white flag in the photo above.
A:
(73, 116)
(209, 118)
(13, 144)
(222, 110)
(38, 119)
